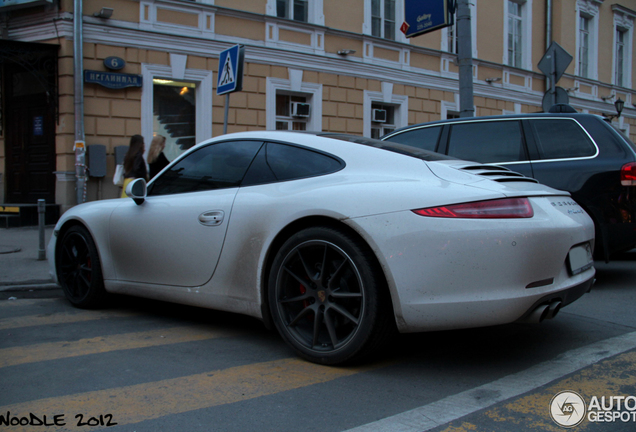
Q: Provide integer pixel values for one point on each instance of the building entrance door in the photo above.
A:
(29, 108)
(30, 150)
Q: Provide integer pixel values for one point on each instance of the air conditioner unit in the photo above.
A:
(299, 109)
(379, 116)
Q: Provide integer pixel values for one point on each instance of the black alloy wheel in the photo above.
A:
(326, 297)
(79, 270)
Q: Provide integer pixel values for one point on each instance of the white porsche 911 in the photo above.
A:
(336, 240)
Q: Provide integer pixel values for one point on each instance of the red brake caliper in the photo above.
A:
(303, 290)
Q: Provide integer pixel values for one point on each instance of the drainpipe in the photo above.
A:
(78, 73)
(465, 59)
(548, 34)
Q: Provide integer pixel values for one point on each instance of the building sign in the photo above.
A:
(38, 126)
(18, 4)
(425, 16)
(114, 63)
(113, 80)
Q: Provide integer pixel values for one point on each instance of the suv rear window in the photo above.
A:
(423, 138)
(559, 139)
(487, 141)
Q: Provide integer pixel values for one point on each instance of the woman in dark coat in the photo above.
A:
(134, 163)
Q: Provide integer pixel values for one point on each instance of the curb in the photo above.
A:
(29, 286)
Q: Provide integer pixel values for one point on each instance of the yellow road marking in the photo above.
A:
(61, 318)
(612, 377)
(64, 349)
(137, 403)
(26, 302)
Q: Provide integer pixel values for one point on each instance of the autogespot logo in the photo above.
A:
(567, 409)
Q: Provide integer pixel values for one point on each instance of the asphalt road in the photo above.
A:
(149, 366)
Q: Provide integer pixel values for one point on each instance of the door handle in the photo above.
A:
(211, 218)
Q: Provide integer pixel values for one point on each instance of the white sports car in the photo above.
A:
(336, 240)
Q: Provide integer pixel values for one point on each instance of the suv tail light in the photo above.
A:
(507, 208)
(628, 174)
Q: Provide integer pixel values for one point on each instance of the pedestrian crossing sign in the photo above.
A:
(230, 77)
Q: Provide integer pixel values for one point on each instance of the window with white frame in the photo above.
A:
(450, 35)
(451, 39)
(518, 33)
(382, 119)
(293, 104)
(174, 114)
(297, 10)
(178, 105)
(384, 111)
(383, 19)
(584, 46)
(619, 57)
(586, 65)
(292, 112)
(515, 34)
(623, 35)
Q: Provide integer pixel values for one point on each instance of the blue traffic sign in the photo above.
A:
(423, 16)
(230, 70)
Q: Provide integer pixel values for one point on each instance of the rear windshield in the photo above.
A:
(623, 136)
(390, 146)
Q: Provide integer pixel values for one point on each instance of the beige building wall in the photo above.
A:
(490, 37)
(417, 71)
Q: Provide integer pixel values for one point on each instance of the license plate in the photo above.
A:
(580, 259)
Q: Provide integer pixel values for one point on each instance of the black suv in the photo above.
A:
(579, 153)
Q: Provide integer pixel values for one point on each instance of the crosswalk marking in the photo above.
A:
(137, 403)
(26, 302)
(62, 318)
(64, 349)
(453, 407)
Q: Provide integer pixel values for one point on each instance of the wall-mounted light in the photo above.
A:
(492, 80)
(609, 97)
(572, 89)
(346, 52)
(104, 13)
(619, 104)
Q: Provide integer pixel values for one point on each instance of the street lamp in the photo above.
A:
(619, 104)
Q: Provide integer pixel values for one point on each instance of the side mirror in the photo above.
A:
(136, 189)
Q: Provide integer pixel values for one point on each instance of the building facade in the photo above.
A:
(329, 65)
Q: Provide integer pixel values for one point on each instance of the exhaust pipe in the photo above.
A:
(553, 309)
(537, 315)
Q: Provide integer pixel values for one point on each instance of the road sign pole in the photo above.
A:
(227, 111)
(465, 59)
(553, 79)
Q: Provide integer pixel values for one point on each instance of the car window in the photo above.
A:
(561, 138)
(394, 147)
(279, 162)
(425, 138)
(487, 141)
(217, 166)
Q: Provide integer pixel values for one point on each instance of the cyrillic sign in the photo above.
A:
(113, 80)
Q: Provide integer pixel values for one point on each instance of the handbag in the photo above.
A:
(118, 178)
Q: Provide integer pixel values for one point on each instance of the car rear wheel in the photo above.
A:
(327, 298)
(78, 269)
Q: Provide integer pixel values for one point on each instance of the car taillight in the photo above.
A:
(506, 208)
(628, 174)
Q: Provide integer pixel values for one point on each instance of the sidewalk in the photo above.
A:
(19, 264)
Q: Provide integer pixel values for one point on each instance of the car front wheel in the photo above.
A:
(328, 299)
(78, 269)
